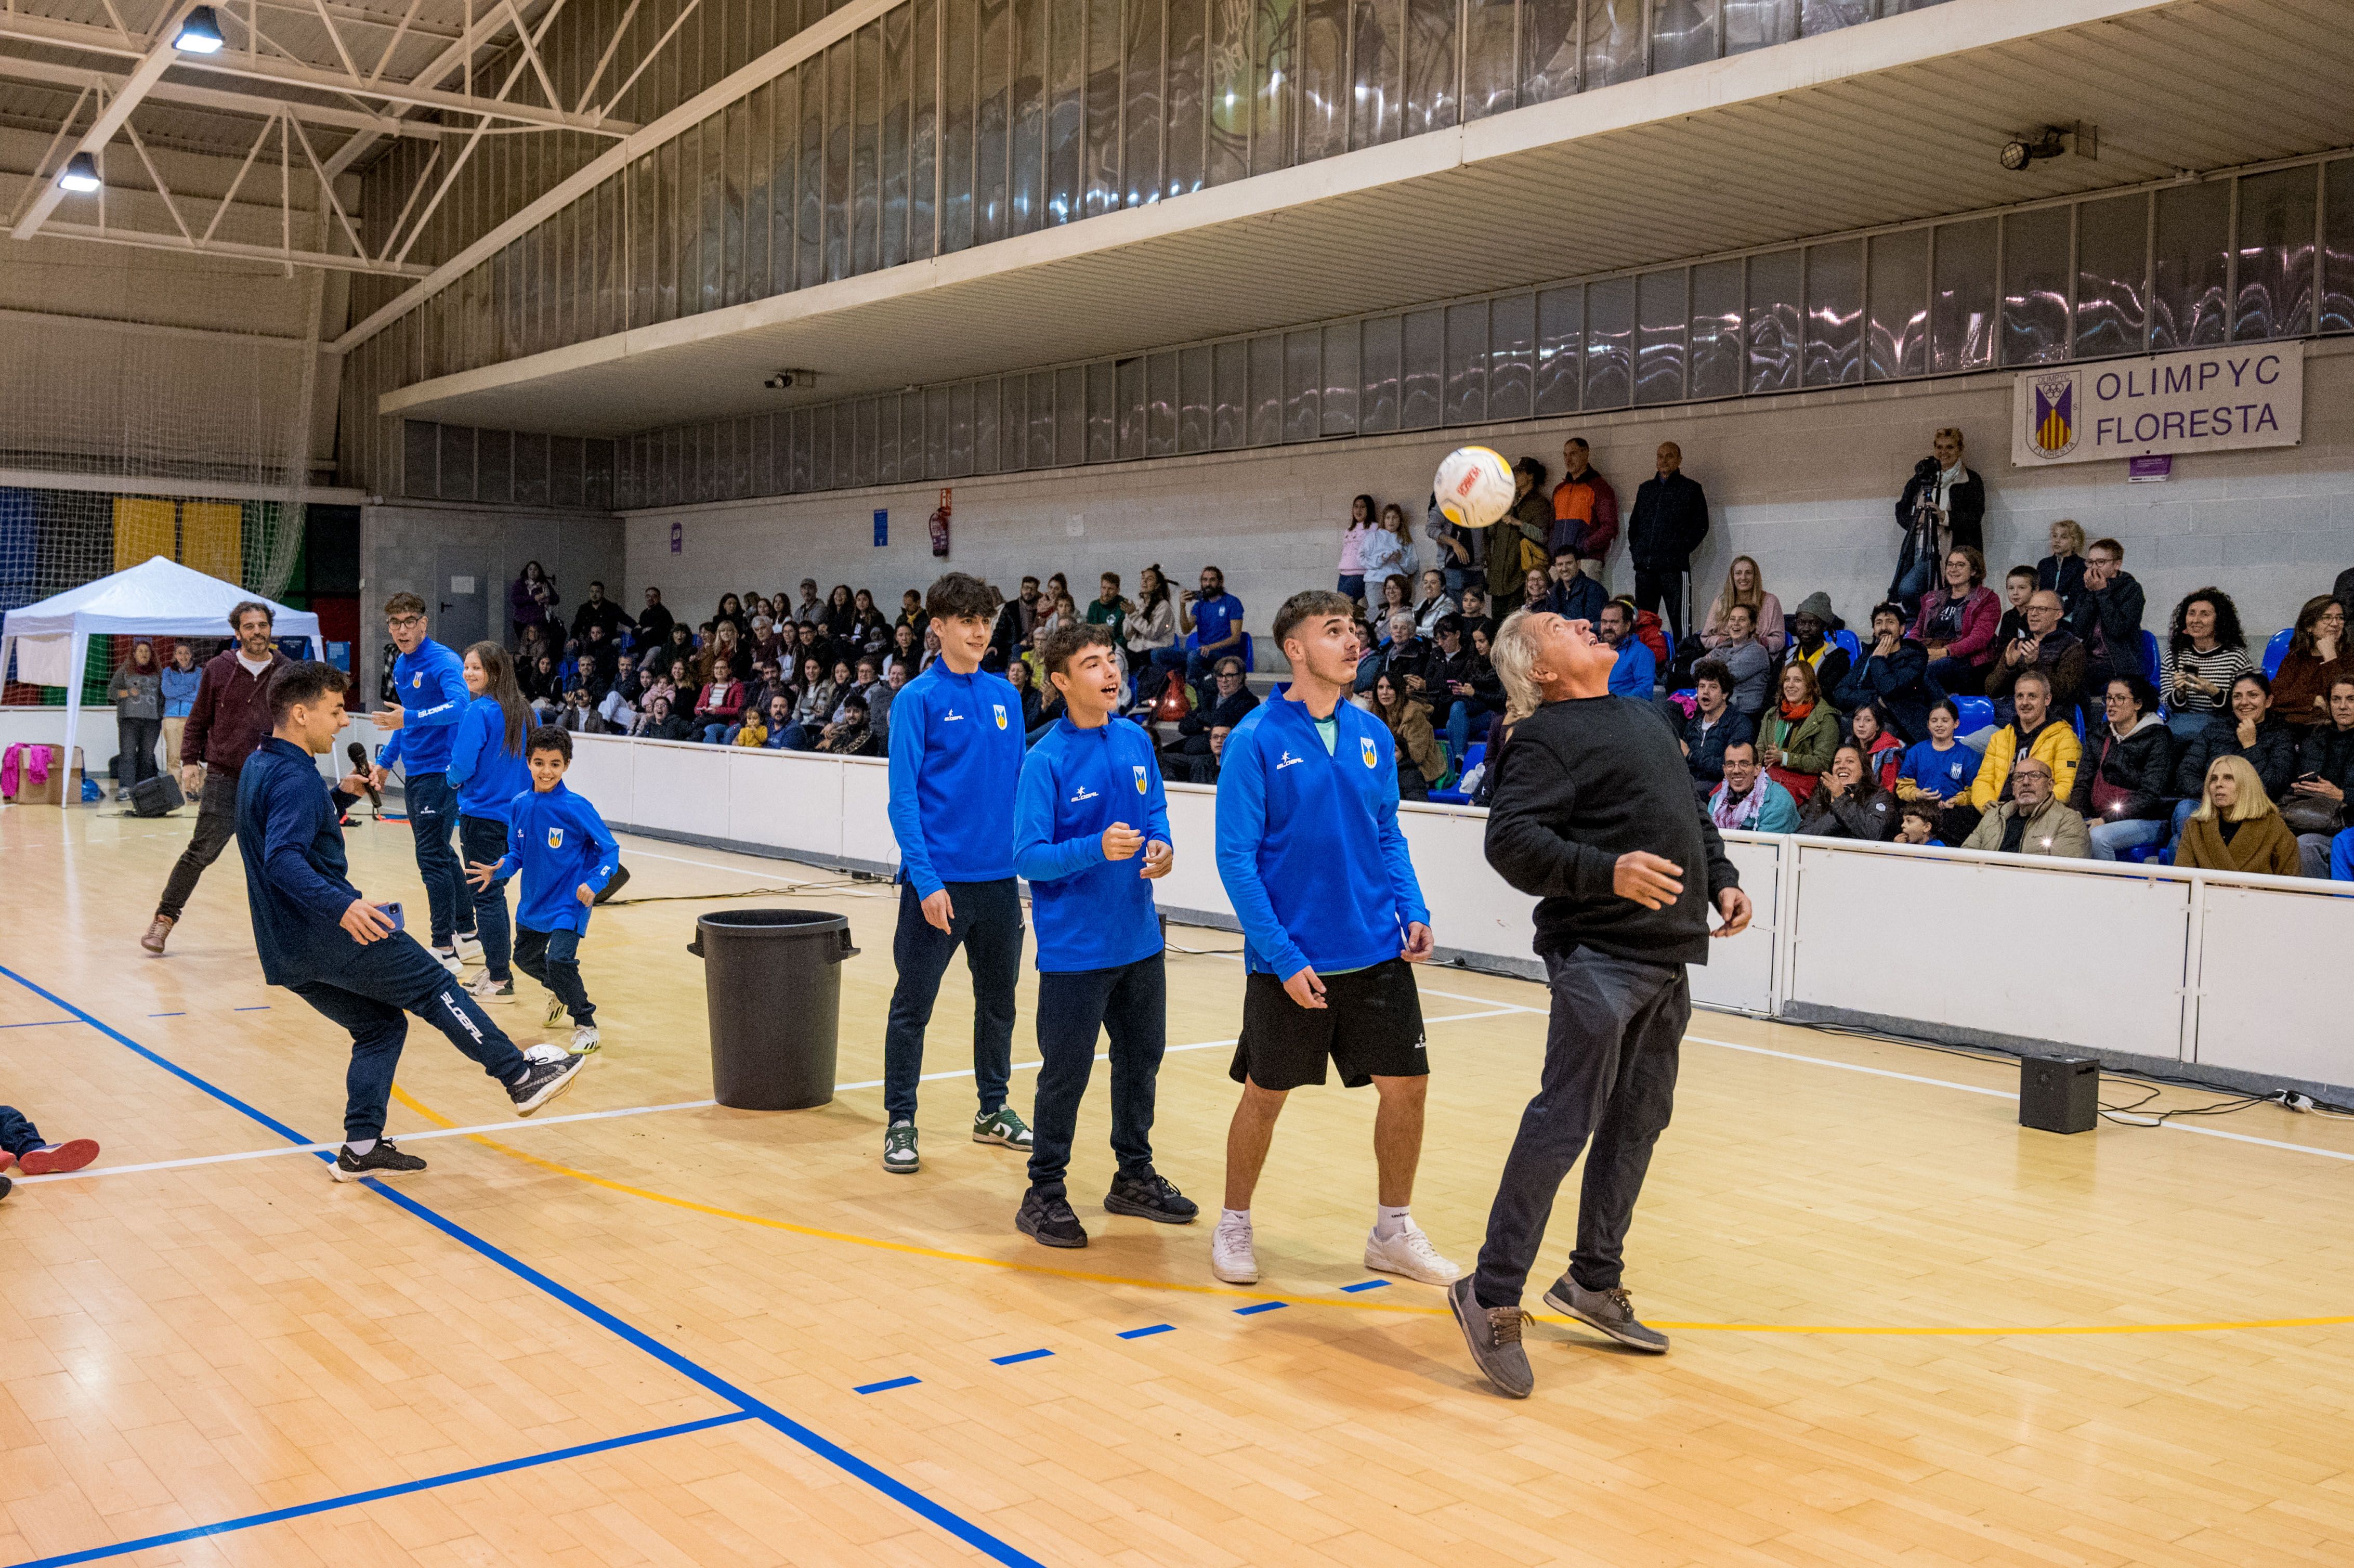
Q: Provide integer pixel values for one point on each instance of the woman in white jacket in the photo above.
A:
(1387, 549)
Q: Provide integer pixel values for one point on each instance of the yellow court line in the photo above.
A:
(1353, 1303)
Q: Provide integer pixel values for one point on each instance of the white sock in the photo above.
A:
(1388, 1222)
(360, 1147)
(1235, 1217)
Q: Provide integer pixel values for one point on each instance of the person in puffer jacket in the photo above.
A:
(1851, 804)
(2128, 769)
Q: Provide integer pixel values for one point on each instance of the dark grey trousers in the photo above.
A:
(1611, 1050)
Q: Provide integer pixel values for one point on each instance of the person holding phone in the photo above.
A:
(2205, 651)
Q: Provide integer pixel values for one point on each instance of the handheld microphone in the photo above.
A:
(358, 754)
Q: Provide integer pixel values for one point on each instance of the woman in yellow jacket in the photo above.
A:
(2236, 826)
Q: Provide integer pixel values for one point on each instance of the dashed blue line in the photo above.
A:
(1017, 1356)
(263, 1007)
(886, 1385)
(1140, 1333)
(167, 1015)
(1260, 1306)
(1363, 1285)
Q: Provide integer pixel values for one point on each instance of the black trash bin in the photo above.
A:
(773, 983)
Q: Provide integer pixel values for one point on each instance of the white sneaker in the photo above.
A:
(554, 1010)
(1410, 1252)
(484, 989)
(448, 960)
(1230, 1257)
(469, 945)
(583, 1039)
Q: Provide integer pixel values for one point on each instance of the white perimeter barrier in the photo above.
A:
(2137, 963)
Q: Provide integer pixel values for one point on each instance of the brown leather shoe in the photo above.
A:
(158, 934)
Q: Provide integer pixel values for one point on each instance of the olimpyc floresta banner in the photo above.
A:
(2204, 400)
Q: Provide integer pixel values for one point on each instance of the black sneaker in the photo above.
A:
(1492, 1334)
(6, 1186)
(1050, 1220)
(542, 1082)
(1150, 1197)
(1610, 1312)
(384, 1160)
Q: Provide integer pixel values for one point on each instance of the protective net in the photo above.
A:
(121, 444)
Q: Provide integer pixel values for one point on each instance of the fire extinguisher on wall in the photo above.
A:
(940, 525)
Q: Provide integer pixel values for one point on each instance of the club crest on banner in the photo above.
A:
(2054, 433)
(555, 837)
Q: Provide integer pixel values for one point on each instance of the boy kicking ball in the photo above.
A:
(1090, 874)
(566, 854)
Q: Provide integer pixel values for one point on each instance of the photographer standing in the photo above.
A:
(1943, 507)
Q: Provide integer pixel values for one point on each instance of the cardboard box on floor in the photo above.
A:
(63, 786)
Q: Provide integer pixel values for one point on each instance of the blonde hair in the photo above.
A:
(2071, 530)
(1513, 654)
(1756, 599)
(2248, 802)
(1956, 432)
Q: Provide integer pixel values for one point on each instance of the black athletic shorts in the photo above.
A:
(1369, 1026)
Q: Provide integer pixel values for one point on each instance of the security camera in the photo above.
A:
(781, 381)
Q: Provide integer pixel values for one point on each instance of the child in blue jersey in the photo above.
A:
(956, 758)
(431, 697)
(560, 844)
(487, 770)
(1091, 833)
(1316, 866)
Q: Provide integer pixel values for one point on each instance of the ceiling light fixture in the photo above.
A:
(2020, 152)
(81, 175)
(200, 33)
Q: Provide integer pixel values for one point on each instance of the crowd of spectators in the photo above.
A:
(2041, 719)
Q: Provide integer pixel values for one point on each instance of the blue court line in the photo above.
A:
(378, 1494)
(886, 1385)
(1364, 1285)
(263, 1007)
(167, 1015)
(1017, 1356)
(40, 1023)
(825, 1448)
(1140, 1333)
(1261, 1306)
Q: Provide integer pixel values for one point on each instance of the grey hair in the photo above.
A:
(1513, 653)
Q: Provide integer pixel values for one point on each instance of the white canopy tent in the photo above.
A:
(156, 599)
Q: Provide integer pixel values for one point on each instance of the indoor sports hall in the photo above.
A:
(1176, 781)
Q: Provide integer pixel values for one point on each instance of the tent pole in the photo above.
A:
(75, 667)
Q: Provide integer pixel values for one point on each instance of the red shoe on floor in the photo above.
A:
(6, 1159)
(55, 1159)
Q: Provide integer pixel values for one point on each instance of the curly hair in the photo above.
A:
(2227, 621)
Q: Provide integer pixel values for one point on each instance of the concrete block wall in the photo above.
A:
(1805, 483)
(399, 543)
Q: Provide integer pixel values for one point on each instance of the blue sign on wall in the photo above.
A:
(882, 527)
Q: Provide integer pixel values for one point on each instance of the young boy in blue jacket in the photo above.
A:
(429, 683)
(487, 770)
(956, 758)
(340, 952)
(1087, 784)
(566, 854)
(1316, 866)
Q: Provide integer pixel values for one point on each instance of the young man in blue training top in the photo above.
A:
(1090, 835)
(487, 770)
(429, 681)
(341, 953)
(1316, 865)
(566, 854)
(955, 761)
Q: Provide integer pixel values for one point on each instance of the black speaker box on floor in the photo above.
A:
(2058, 1093)
(156, 796)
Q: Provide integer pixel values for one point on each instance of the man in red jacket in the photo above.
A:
(231, 719)
(1585, 510)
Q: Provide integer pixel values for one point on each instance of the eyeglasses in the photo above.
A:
(403, 622)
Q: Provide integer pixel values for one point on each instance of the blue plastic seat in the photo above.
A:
(1472, 756)
(2277, 650)
(1976, 712)
(1846, 638)
(2149, 656)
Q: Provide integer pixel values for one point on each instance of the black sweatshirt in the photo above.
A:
(1581, 782)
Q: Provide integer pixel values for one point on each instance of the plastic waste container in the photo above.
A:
(772, 979)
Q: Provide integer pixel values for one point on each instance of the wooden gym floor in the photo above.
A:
(1906, 1330)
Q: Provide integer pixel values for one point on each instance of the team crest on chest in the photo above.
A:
(1001, 713)
(1365, 749)
(418, 681)
(1140, 779)
(555, 837)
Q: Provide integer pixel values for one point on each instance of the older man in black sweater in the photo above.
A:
(1593, 812)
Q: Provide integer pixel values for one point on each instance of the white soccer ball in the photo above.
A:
(1474, 486)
